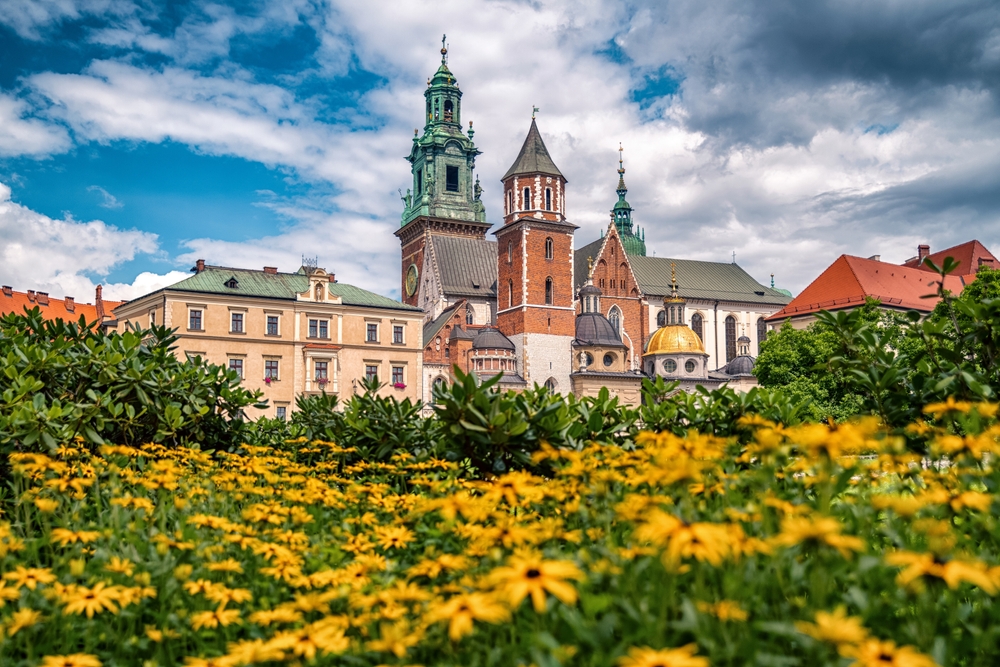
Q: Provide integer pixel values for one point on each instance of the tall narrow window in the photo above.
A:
(548, 248)
(548, 291)
(371, 333)
(451, 179)
(510, 201)
(510, 252)
(420, 182)
(449, 110)
(272, 325)
(698, 325)
(194, 320)
(615, 317)
(548, 199)
(397, 334)
(730, 338)
(526, 203)
(761, 332)
(470, 315)
(510, 293)
(236, 320)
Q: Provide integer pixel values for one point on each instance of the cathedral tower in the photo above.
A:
(535, 306)
(444, 197)
(633, 242)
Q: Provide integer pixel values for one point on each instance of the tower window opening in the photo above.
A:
(526, 203)
(420, 182)
(510, 201)
(548, 291)
(451, 179)
(548, 199)
(449, 109)
(510, 293)
(548, 248)
(510, 252)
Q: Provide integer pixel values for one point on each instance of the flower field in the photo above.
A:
(808, 545)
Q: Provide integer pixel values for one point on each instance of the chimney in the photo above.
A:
(984, 263)
(70, 304)
(273, 270)
(31, 295)
(877, 258)
(8, 290)
(923, 250)
(43, 298)
(99, 301)
(199, 266)
(333, 278)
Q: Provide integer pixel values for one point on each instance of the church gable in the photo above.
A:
(612, 271)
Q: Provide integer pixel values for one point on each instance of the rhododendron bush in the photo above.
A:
(801, 545)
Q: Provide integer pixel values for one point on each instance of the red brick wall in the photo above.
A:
(555, 184)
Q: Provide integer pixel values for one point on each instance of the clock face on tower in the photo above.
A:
(411, 280)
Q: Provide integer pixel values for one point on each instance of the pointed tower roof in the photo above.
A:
(534, 157)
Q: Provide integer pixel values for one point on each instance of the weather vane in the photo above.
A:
(534, 110)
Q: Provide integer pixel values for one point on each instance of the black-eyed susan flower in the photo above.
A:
(643, 656)
(876, 653)
(462, 610)
(73, 660)
(524, 576)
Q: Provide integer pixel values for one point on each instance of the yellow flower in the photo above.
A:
(74, 660)
(182, 572)
(90, 601)
(120, 566)
(224, 661)
(46, 505)
(30, 577)
(953, 571)
(395, 638)
(817, 530)
(228, 565)
(394, 537)
(534, 576)
(875, 653)
(461, 610)
(724, 610)
(213, 619)
(66, 537)
(643, 656)
(950, 405)
(839, 629)
(8, 593)
(23, 618)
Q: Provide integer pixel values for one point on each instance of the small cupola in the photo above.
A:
(674, 304)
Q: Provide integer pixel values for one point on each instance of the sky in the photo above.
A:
(138, 136)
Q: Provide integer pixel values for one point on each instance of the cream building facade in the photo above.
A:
(288, 334)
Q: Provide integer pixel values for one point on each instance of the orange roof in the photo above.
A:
(67, 309)
(968, 255)
(850, 280)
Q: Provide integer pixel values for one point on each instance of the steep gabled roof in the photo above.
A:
(534, 157)
(467, 267)
(433, 327)
(261, 284)
(966, 254)
(701, 280)
(850, 280)
(52, 309)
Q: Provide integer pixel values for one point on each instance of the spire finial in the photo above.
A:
(444, 50)
(772, 281)
(534, 110)
(590, 265)
(673, 278)
(621, 167)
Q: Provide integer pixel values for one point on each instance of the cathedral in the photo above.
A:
(526, 301)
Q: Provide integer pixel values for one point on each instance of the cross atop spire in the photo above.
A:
(444, 50)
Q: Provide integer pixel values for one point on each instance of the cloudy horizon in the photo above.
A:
(136, 138)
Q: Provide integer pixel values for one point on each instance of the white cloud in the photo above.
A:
(56, 256)
(144, 283)
(27, 136)
(30, 18)
(108, 200)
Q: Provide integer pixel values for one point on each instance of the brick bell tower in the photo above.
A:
(535, 307)
(444, 198)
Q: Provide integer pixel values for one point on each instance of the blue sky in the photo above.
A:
(137, 136)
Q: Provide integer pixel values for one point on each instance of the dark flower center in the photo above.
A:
(532, 574)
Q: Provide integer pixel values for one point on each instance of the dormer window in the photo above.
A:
(232, 283)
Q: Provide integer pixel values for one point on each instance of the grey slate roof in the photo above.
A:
(580, 256)
(534, 157)
(490, 338)
(702, 280)
(464, 263)
(595, 329)
(432, 328)
(257, 283)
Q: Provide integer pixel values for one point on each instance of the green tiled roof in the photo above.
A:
(255, 283)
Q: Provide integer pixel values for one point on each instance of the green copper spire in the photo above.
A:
(443, 158)
(622, 215)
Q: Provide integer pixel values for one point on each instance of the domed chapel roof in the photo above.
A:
(595, 329)
(490, 338)
(675, 339)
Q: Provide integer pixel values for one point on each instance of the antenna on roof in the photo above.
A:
(734, 257)
(310, 263)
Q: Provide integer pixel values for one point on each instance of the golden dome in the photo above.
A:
(674, 339)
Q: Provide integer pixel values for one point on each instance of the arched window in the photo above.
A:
(761, 332)
(510, 293)
(730, 338)
(526, 203)
(470, 315)
(615, 317)
(438, 383)
(661, 318)
(548, 199)
(449, 109)
(548, 248)
(548, 291)
(510, 252)
(510, 201)
(550, 384)
(698, 325)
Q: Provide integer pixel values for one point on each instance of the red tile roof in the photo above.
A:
(968, 256)
(850, 280)
(67, 309)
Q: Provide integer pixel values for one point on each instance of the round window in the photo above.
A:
(670, 365)
(609, 359)
(690, 365)
(590, 358)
